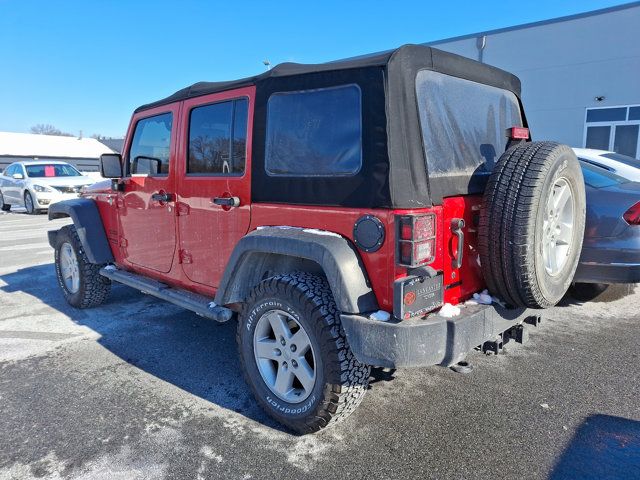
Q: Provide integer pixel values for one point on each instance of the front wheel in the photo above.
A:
(295, 355)
(79, 279)
(29, 205)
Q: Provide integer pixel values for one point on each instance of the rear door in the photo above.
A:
(146, 207)
(213, 211)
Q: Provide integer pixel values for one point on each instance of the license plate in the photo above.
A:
(414, 296)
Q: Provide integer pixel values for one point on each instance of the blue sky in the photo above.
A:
(87, 65)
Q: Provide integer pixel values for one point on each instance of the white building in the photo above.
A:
(580, 74)
(83, 153)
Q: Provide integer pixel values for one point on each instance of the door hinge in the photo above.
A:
(182, 209)
(184, 257)
(123, 242)
(119, 202)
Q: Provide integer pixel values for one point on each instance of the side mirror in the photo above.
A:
(18, 176)
(111, 165)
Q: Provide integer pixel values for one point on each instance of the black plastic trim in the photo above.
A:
(433, 341)
(86, 218)
(334, 254)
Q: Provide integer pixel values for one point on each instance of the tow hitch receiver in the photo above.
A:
(516, 333)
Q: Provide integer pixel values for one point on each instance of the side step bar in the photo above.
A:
(198, 304)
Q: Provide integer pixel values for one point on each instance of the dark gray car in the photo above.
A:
(611, 248)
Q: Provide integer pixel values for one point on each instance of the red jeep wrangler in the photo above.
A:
(334, 209)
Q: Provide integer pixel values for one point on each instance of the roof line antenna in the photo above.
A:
(267, 64)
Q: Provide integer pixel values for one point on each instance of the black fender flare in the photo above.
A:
(335, 255)
(86, 218)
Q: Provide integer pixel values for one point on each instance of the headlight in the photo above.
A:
(40, 188)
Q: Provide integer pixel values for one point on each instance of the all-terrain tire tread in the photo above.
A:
(96, 288)
(348, 378)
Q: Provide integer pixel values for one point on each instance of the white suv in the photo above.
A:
(37, 184)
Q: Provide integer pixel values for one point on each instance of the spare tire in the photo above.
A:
(532, 224)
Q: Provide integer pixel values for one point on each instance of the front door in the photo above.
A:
(213, 209)
(9, 183)
(146, 207)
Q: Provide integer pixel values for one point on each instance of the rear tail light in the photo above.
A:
(632, 216)
(416, 239)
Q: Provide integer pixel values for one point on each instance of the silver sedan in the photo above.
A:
(35, 185)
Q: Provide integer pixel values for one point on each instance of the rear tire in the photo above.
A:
(87, 289)
(336, 382)
(532, 224)
(5, 207)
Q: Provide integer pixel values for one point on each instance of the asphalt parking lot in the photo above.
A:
(141, 389)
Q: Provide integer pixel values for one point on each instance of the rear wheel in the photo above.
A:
(295, 355)
(79, 279)
(5, 207)
(532, 224)
(29, 205)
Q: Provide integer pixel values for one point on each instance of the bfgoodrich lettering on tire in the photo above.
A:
(532, 224)
(80, 280)
(295, 355)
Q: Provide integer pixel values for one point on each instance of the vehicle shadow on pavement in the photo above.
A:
(603, 447)
(194, 354)
(611, 294)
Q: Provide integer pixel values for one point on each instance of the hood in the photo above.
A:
(62, 181)
(102, 186)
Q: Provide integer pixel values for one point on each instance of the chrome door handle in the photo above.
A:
(226, 201)
(162, 197)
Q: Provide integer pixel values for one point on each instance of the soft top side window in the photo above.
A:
(314, 133)
(151, 145)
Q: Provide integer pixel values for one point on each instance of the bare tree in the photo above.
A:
(47, 129)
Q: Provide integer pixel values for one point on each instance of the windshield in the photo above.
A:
(464, 124)
(51, 170)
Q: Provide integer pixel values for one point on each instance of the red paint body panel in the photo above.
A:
(147, 227)
(379, 265)
(208, 232)
(461, 283)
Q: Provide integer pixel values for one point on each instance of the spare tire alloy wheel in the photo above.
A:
(295, 355)
(558, 227)
(532, 224)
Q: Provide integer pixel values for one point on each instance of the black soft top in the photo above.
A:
(406, 60)
(394, 168)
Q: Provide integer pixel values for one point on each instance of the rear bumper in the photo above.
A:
(432, 341)
(593, 272)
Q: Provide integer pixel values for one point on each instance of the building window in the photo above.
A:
(314, 133)
(218, 138)
(614, 128)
